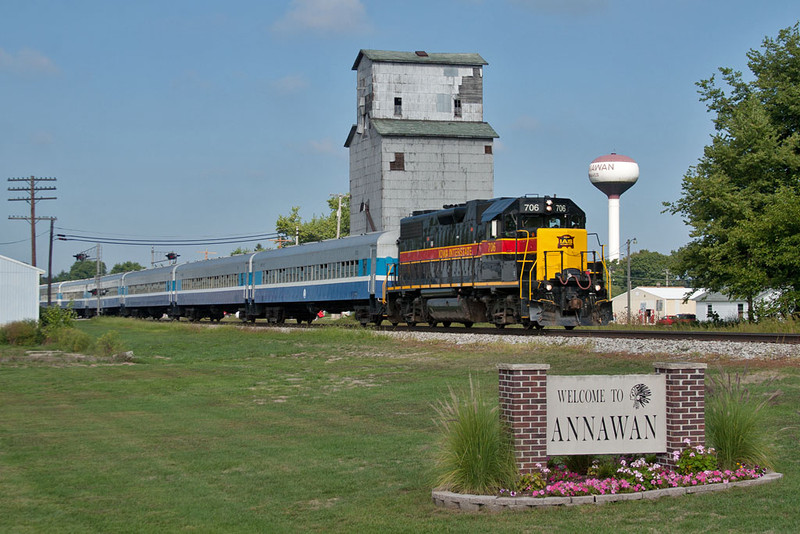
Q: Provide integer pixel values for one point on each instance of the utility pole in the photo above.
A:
(628, 243)
(97, 277)
(33, 188)
(339, 215)
(84, 256)
(50, 266)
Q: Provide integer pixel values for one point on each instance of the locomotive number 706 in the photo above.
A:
(536, 208)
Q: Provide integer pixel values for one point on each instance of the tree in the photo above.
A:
(126, 267)
(742, 199)
(240, 250)
(647, 269)
(83, 269)
(319, 227)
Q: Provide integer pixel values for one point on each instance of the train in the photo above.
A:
(504, 261)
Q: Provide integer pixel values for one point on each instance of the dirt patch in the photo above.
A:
(57, 358)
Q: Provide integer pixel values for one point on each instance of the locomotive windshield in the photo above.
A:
(533, 214)
(531, 223)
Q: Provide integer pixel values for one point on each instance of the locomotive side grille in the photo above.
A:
(411, 230)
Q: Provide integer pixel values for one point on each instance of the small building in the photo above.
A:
(19, 291)
(649, 304)
(419, 141)
(716, 306)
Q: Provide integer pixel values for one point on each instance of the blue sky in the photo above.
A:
(197, 119)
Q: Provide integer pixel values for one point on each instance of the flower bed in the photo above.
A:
(632, 479)
(494, 503)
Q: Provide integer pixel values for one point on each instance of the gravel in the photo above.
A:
(732, 350)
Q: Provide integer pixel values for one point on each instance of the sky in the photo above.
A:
(199, 119)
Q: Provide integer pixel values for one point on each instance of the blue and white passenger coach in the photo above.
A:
(295, 282)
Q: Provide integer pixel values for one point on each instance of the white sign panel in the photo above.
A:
(606, 414)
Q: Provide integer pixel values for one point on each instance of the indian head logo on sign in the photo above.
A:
(640, 395)
(566, 241)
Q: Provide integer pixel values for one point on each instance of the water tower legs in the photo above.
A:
(613, 227)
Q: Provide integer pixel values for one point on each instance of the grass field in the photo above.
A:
(229, 430)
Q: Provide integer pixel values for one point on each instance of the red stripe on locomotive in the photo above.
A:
(474, 250)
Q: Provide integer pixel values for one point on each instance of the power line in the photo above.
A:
(167, 242)
(23, 240)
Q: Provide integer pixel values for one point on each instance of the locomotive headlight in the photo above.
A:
(598, 287)
(548, 287)
(548, 205)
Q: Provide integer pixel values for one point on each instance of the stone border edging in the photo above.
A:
(474, 503)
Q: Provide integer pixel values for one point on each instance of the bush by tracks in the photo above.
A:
(21, 333)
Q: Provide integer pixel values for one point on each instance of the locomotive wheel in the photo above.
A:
(412, 324)
(433, 324)
(468, 324)
(395, 324)
(446, 324)
(570, 327)
(500, 325)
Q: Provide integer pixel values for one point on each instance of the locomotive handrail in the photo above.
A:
(386, 282)
(530, 280)
(524, 260)
(605, 270)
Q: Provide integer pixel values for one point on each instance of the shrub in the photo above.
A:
(579, 463)
(695, 459)
(71, 340)
(109, 344)
(476, 453)
(733, 423)
(22, 333)
(604, 467)
(56, 317)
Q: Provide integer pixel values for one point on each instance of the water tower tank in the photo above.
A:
(613, 174)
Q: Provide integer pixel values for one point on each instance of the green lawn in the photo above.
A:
(227, 430)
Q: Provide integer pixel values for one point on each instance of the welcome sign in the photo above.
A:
(616, 414)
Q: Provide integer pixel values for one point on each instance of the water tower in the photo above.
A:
(613, 175)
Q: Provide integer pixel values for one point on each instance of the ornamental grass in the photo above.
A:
(733, 423)
(476, 453)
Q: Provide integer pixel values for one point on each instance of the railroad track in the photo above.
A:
(646, 334)
(694, 335)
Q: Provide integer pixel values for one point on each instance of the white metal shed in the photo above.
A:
(19, 291)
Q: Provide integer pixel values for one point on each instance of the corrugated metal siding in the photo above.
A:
(19, 291)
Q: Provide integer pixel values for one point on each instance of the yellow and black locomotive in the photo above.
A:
(503, 261)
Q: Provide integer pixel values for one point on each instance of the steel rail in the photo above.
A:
(654, 334)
